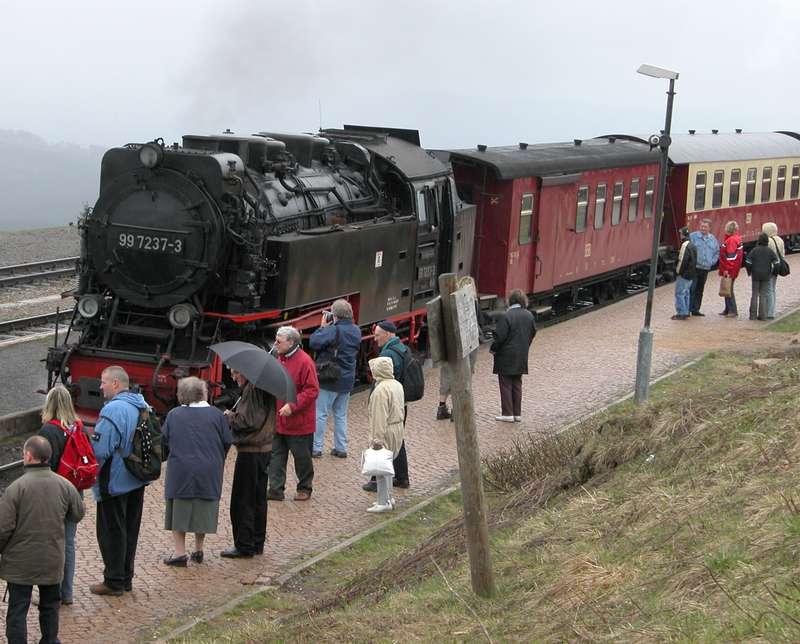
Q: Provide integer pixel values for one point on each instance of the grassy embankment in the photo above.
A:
(678, 521)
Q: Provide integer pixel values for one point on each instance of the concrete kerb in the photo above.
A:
(289, 574)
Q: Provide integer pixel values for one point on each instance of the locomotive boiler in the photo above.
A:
(229, 237)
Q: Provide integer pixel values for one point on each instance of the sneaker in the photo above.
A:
(505, 419)
(381, 508)
(442, 412)
(274, 495)
(316, 454)
(338, 453)
(102, 589)
(370, 486)
(517, 419)
(302, 495)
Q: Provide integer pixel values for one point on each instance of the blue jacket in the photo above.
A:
(707, 249)
(394, 349)
(112, 439)
(322, 341)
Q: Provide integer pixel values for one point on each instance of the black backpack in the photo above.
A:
(144, 461)
(411, 376)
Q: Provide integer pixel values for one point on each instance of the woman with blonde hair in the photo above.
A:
(731, 257)
(59, 418)
(196, 438)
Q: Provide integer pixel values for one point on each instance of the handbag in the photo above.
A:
(329, 370)
(783, 265)
(725, 286)
(377, 462)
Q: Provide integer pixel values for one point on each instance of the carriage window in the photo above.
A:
(780, 184)
(525, 218)
(794, 190)
(616, 204)
(649, 191)
(716, 195)
(700, 190)
(750, 186)
(600, 205)
(766, 184)
(422, 213)
(582, 209)
(633, 202)
(733, 196)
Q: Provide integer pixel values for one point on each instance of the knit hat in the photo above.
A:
(387, 326)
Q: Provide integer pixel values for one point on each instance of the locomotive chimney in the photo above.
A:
(692, 131)
(577, 141)
(714, 131)
(523, 146)
(481, 147)
(738, 130)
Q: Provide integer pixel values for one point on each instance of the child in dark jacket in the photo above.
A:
(760, 263)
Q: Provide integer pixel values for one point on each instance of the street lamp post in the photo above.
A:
(645, 355)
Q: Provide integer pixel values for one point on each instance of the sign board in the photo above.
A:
(465, 322)
(436, 344)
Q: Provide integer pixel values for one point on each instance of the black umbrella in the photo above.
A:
(258, 366)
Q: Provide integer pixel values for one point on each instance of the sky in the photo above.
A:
(462, 72)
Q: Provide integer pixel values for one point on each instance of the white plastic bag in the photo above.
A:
(377, 462)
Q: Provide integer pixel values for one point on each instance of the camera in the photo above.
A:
(328, 316)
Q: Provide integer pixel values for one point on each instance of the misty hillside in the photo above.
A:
(44, 184)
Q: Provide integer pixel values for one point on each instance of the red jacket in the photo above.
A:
(303, 419)
(731, 255)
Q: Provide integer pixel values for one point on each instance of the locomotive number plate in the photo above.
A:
(151, 243)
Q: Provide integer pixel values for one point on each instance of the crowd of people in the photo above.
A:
(40, 511)
(701, 252)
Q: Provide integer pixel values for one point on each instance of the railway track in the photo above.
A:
(12, 331)
(33, 271)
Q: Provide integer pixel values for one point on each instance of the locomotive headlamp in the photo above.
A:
(150, 155)
(88, 306)
(181, 315)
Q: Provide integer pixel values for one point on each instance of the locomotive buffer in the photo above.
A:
(453, 335)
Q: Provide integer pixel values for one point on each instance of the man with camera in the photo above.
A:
(336, 342)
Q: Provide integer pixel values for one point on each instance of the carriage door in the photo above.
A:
(425, 278)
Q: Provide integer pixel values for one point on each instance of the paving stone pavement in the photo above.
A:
(576, 367)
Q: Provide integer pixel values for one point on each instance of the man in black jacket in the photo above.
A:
(513, 336)
(686, 270)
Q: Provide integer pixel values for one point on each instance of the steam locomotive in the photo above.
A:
(229, 237)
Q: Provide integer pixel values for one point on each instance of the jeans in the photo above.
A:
(249, 501)
(19, 601)
(118, 521)
(70, 529)
(758, 300)
(683, 289)
(338, 402)
(771, 296)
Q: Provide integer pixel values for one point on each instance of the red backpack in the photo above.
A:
(78, 464)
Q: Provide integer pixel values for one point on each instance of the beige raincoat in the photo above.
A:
(386, 406)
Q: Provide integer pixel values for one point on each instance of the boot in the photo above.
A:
(442, 413)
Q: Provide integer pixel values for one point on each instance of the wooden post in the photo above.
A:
(458, 340)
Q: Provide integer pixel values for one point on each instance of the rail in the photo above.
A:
(33, 321)
(22, 273)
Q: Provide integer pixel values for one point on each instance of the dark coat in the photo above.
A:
(687, 261)
(252, 420)
(323, 341)
(196, 441)
(759, 263)
(32, 514)
(513, 336)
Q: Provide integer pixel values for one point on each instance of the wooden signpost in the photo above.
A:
(453, 335)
